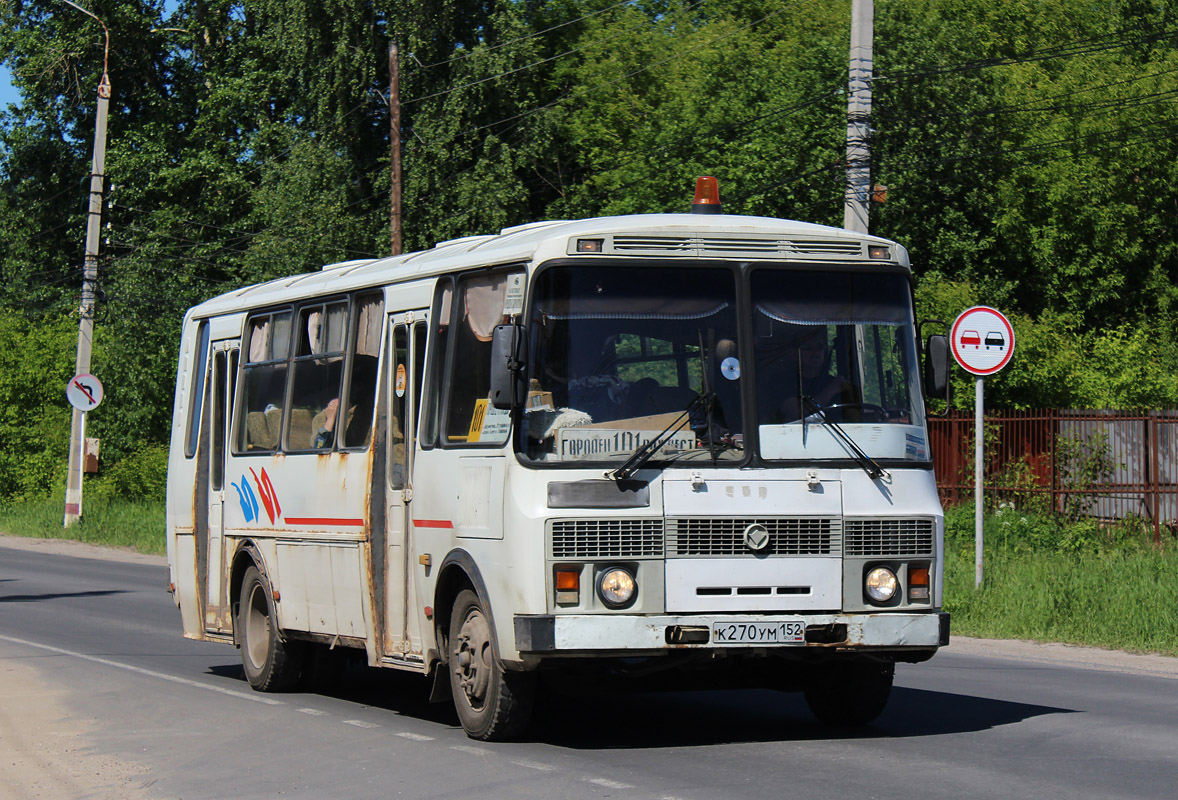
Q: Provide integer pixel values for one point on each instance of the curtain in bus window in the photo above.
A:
(838, 298)
(634, 308)
(484, 298)
(269, 337)
(368, 324)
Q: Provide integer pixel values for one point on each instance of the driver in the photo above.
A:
(818, 384)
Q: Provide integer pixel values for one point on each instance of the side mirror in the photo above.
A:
(509, 350)
(936, 367)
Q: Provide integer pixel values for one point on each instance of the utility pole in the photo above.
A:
(859, 117)
(73, 489)
(395, 148)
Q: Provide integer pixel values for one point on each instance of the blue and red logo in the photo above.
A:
(249, 499)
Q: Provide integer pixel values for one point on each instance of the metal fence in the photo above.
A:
(1109, 465)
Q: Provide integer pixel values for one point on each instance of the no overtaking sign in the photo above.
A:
(982, 340)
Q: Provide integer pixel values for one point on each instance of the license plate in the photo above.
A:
(736, 632)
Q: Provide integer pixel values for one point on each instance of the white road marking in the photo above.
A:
(607, 783)
(256, 698)
(478, 751)
(314, 712)
(359, 723)
(535, 765)
(417, 737)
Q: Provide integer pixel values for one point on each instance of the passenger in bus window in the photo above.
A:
(325, 435)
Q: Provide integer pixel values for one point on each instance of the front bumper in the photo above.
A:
(619, 634)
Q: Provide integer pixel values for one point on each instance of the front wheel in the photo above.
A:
(271, 665)
(851, 693)
(492, 703)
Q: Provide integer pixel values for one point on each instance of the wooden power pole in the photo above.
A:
(395, 149)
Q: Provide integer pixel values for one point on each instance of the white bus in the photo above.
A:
(692, 443)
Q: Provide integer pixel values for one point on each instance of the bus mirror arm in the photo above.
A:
(509, 349)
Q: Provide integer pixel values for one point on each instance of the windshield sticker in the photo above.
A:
(730, 368)
(513, 303)
(589, 442)
(488, 422)
(914, 447)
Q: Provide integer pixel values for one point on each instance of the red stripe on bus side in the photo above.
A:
(354, 523)
(433, 523)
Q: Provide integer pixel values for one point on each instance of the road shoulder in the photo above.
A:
(68, 547)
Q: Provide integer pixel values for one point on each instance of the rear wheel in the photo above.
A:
(849, 693)
(492, 703)
(271, 665)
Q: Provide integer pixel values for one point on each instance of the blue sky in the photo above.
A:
(7, 93)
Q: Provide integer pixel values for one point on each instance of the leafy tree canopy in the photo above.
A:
(1027, 148)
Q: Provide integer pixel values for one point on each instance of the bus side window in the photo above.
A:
(369, 311)
(440, 318)
(196, 397)
(316, 415)
(263, 384)
(467, 412)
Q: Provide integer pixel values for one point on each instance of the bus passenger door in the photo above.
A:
(222, 374)
(406, 358)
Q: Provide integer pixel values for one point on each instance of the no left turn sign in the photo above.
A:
(982, 340)
(84, 392)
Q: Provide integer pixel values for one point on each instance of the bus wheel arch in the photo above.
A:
(247, 556)
(457, 572)
(493, 703)
(271, 662)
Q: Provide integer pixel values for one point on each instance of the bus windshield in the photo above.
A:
(835, 347)
(620, 354)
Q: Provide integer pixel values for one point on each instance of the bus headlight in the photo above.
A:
(616, 587)
(881, 584)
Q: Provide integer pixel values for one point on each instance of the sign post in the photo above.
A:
(982, 341)
(84, 392)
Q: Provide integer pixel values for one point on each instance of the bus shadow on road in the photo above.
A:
(684, 719)
(596, 720)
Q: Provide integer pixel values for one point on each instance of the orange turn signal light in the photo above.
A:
(568, 580)
(918, 583)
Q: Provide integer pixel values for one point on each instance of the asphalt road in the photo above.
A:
(981, 720)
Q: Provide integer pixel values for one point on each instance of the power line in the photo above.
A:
(489, 48)
(1080, 47)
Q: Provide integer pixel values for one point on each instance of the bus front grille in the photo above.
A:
(607, 538)
(725, 536)
(888, 537)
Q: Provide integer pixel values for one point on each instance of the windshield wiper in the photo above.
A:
(868, 464)
(644, 452)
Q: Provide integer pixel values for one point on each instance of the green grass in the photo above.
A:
(1123, 601)
(1048, 579)
(110, 522)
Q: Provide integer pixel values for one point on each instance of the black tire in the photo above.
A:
(492, 703)
(851, 693)
(271, 665)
